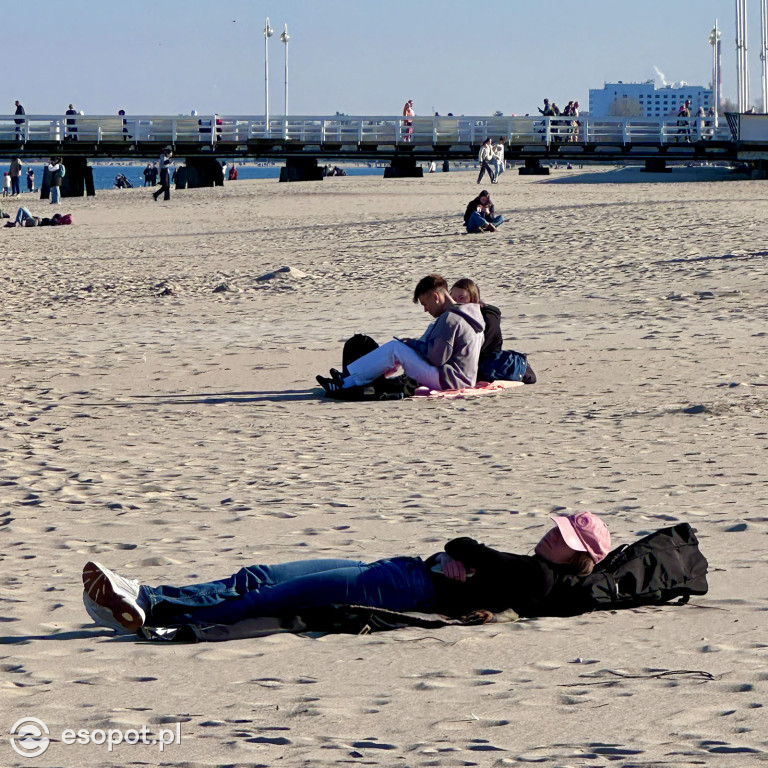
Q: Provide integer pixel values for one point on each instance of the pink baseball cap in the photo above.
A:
(585, 532)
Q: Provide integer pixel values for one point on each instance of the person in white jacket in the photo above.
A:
(485, 158)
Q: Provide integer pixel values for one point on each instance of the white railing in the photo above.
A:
(349, 131)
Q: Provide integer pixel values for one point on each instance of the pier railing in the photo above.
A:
(360, 131)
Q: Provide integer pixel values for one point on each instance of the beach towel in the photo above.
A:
(481, 388)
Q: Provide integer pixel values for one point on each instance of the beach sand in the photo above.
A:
(175, 433)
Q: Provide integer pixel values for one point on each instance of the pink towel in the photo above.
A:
(481, 388)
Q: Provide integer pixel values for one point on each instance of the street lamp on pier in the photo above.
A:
(284, 38)
(714, 41)
(268, 32)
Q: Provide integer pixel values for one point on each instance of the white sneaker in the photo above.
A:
(102, 616)
(113, 594)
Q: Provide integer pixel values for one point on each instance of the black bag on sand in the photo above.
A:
(664, 566)
(395, 388)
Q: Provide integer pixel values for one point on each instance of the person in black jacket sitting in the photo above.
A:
(466, 577)
(480, 214)
(494, 362)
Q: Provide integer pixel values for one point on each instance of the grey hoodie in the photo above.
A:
(452, 344)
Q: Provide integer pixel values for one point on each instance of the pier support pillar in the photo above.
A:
(656, 165)
(200, 172)
(533, 167)
(301, 169)
(403, 167)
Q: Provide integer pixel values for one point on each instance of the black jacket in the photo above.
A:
(493, 338)
(472, 207)
(527, 584)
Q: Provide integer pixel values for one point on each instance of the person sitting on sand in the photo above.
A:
(494, 363)
(445, 357)
(480, 214)
(465, 577)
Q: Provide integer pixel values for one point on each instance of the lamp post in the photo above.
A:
(714, 41)
(268, 32)
(764, 50)
(284, 38)
(742, 69)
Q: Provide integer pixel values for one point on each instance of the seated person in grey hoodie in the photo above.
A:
(445, 357)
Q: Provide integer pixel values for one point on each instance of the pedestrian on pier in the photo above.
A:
(683, 128)
(19, 122)
(408, 124)
(70, 131)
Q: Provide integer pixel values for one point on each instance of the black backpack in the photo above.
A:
(382, 388)
(664, 566)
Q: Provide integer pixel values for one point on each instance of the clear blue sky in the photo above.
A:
(354, 56)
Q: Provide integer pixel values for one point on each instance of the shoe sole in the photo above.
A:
(99, 588)
(91, 610)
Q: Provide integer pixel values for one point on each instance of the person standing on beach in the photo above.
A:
(30, 179)
(56, 171)
(165, 175)
(15, 171)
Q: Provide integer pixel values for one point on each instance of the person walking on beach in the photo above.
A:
(30, 179)
(14, 172)
(498, 162)
(6, 184)
(19, 121)
(486, 158)
(165, 175)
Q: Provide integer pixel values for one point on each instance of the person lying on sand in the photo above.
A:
(25, 219)
(494, 362)
(445, 357)
(465, 577)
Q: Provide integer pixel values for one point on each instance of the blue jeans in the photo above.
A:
(22, 215)
(15, 185)
(55, 192)
(477, 221)
(397, 583)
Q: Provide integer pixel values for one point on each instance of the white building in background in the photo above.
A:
(623, 98)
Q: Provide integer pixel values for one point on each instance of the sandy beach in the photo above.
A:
(159, 414)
